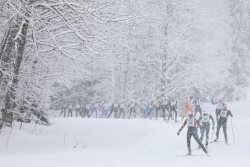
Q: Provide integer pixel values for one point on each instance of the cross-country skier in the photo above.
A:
(77, 108)
(115, 108)
(197, 106)
(95, 107)
(105, 110)
(149, 110)
(70, 108)
(224, 113)
(189, 106)
(86, 110)
(111, 109)
(173, 107)
(157, 107)
(204, 121)
(122, 109)
(218, 108)
(165, 103)
(63, 110)
(132, 108)
(143, 110)
(192, 124)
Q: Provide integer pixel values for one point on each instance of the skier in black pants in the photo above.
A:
(173, 107)
(70, 108)
(78, 108)
(218, 108)
(63, 110)
(224, 113)
(122, 109)
(192, 124)
(205, 119)
(157, 107)
(132, 108)
(115, 108)
(86, 110)
(165, 103)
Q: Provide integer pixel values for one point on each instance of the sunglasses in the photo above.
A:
(205, 114)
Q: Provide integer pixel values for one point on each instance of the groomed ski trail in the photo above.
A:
(119, 143)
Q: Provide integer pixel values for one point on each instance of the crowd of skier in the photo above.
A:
(168, 107)
(118, 109)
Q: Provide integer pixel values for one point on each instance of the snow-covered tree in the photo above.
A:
(240, 67)
(47, 39)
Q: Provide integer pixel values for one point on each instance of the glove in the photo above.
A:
(178, 132)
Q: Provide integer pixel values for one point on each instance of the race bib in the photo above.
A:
(223, 113)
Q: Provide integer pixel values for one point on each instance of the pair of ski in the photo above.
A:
(219, 142)
(196, 155)
(199, 149)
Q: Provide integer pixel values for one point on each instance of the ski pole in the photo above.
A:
(232, 129)
(212, 136)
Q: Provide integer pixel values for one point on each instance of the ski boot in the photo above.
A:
(206, 148)
(216, 140)
(226, 141)
(189, 153)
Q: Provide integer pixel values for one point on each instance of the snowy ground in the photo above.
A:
(119, 143)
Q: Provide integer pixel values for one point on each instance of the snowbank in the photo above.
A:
(119, 143)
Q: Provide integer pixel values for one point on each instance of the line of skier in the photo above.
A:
(203, 123)
(118, 109)
(168, 107)
(89, 109)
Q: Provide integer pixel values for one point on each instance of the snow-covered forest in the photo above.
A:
(59, 56)
(54, 51)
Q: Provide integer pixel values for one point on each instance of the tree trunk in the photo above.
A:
(15, 47)
(5, 55)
